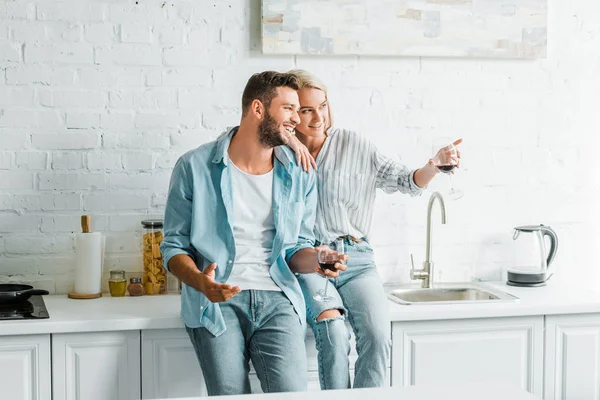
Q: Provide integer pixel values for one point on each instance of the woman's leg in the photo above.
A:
(368, 314)
(327, 320)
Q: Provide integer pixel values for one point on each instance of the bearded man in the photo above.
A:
(238, 209)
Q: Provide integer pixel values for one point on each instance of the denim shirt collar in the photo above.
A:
(282, 153)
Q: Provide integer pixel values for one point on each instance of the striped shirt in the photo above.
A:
(350, 168)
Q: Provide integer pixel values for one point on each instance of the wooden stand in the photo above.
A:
(80, 296)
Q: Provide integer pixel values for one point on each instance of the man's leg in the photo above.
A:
(277, 345)
(224, 359)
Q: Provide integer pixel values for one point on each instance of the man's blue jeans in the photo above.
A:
(358, 293)
(262, 326)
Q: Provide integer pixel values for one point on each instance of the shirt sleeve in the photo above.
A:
(306, 236)
(393, 176)
(178, 215)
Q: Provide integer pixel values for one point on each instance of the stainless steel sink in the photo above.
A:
(449, 294)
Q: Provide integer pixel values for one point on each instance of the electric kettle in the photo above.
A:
(532, 262)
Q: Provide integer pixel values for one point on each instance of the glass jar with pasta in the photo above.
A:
(154, 277)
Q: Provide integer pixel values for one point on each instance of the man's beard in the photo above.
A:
(268, 132)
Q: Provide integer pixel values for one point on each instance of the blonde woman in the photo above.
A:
(349, 170)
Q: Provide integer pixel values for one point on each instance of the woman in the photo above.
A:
(349, 170)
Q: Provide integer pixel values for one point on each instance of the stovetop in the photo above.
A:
(33, 308)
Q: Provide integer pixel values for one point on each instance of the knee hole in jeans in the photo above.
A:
(329, 314)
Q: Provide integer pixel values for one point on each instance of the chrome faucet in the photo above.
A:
(426, 274)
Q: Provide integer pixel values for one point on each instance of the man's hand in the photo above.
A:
(333, 255)
(216, 292)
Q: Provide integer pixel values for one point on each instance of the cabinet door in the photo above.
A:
(170, 368)
(572, 357)
(495, 350)
(96, 366)
(25, 367)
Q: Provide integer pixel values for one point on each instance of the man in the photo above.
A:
(238, 209)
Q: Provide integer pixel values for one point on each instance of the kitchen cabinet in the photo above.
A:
(96, 366)
(557, 356)
(170, 368)
(572, 363)
(25, 367)
(495, 350)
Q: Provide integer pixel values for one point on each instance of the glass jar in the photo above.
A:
(135, 286)
(117, 283)
(154, 277)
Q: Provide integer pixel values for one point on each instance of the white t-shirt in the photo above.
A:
(253, 230)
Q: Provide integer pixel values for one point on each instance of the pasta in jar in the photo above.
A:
(154, 277)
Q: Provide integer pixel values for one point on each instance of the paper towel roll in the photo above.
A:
(88, 263)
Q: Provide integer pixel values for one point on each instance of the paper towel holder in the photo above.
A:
(86, 223)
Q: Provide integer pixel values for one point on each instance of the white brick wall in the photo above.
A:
(99, 98)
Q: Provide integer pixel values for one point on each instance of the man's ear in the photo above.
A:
(257, 108)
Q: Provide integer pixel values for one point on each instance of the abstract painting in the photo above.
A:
(439, 28)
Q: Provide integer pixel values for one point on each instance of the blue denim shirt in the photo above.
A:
(199, 218)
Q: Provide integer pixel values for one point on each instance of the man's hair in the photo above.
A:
(263, 86)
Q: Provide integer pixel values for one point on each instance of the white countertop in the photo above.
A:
(555, 298)
(476, 391)
(162, 312)
(102, 314)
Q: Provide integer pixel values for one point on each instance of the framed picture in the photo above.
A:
(438, 28)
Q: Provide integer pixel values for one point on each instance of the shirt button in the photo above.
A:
(202, 307)
(230, 262)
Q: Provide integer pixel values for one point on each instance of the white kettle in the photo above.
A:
(533, 261)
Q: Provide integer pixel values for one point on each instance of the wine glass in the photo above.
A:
(445, 158)
(327, 260)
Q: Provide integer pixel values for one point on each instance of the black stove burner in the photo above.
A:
(33, 308)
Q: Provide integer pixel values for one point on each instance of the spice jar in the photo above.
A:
(135, 286)
(154, 277)
(117, 283)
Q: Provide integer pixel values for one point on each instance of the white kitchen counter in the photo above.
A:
(102, 314)
(424, 392)
(555, 298)
(161, 312)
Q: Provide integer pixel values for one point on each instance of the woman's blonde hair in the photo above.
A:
(307, 80)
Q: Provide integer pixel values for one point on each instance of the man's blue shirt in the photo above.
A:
(199, 223)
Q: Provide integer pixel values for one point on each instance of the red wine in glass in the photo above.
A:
(325, 266)
(327, 261)
(446, 168)
(444, 153)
